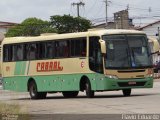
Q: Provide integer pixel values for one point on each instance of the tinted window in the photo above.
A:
(78, 47)
(45, 50)
(18, 52)
(7, 53)
(62, 48)
(41, 50)
(50, 50)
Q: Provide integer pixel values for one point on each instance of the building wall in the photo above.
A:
(121, 19)
(1, 37)
(151, 30)
(3, 30)
(4, 26)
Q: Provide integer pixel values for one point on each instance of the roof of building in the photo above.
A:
(150, 24)
(6, 24)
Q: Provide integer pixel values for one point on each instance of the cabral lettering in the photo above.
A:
(49, 66)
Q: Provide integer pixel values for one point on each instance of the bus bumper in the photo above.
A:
(119, 84)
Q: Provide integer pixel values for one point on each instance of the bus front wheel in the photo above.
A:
(34, 94)
(70, 94)
(89, 91)
(126, 92)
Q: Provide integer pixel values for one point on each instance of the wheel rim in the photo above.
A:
(33, 90)
(87, 88)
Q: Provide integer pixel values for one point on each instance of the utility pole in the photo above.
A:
(106, 2)
(78, 4)
(158, 34)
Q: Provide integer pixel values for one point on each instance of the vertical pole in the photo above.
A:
(78, 6)
(106, 12)
(158, 35)
(78, 10)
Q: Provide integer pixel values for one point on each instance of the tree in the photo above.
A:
(68, 24)
(30, 27)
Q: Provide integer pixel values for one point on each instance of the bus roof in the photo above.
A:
(69, 35)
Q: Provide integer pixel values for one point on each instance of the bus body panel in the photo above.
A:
(49, 83)
(53, 83)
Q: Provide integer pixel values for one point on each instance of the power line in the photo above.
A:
(91, 8)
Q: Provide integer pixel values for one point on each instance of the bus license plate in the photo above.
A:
(132, 83)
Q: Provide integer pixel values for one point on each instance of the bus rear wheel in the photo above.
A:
(34, 94)
(70, 94)
(126, 92)
(89, 92)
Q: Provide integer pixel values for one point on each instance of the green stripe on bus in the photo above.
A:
(20, 68)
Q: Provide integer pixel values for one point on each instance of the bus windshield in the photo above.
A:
(127, 51)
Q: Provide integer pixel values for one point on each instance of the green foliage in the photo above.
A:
(68, 24)
(60, 24)
(15, 31)
(30, 27)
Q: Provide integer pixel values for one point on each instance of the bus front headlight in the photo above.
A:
(149, 75)
(112, 76)
(150, 72)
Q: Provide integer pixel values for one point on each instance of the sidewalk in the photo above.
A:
(157, 80)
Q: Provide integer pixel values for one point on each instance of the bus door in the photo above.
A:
(95, 60)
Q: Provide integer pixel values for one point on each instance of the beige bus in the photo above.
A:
(92, 61)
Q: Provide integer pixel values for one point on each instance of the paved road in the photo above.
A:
(141, 101)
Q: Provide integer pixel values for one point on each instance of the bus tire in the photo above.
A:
(89, 92)
(126, 92)
(42, 95)
(70, 94)
(34, 94)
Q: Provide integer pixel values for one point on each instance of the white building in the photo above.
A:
(4, 26)
(151, 29)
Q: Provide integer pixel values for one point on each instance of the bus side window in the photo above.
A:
(18, 52)
(7, 54)
(62, 49)
(33, 52)
(83, 47)
(26, 51)
(78, 47)
(50, 50)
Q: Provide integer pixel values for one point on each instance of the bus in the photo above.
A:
(92, 61)
(154, 46)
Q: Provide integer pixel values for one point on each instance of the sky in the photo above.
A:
(142, 11)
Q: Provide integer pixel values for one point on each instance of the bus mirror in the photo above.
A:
(103, 46)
